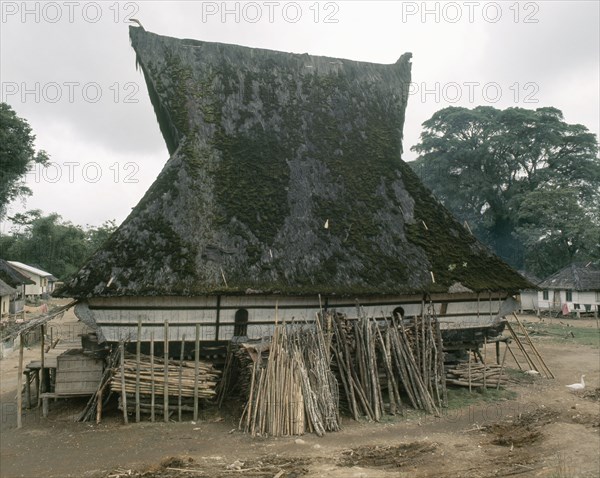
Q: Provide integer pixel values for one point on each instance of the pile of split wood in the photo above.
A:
(176, 378)
(407, 352)
(476, 375)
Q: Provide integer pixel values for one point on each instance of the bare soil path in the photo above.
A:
(546, 431)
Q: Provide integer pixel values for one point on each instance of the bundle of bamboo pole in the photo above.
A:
(293, 390)
(411, 360)
(152, 377)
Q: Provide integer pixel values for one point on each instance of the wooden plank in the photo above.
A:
(41, 383)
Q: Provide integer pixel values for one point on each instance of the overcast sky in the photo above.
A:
(68, 68)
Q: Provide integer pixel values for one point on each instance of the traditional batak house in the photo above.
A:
(285, 193)
(576, 288)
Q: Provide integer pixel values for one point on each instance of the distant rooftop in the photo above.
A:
(30, 269)
(577, 276)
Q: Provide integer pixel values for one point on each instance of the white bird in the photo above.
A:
(531, 372)
(574, 387)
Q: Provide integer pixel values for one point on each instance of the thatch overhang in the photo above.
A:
(5, 289)
(532, 278)
(12, 276)
(285, 177)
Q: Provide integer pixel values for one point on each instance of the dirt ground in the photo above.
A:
(546, 431)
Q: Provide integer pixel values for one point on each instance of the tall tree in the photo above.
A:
(17, 154)
(525, 180)
(51, 243)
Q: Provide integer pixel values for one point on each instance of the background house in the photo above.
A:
(529, 297)
(18, 281)
(576, 288)
(7, 293)
(39, 277)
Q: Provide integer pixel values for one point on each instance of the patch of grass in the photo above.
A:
(562, 469)
(460, 397)
(566, 334)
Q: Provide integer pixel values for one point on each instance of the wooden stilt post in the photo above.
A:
(42, 381)
(166, 373)
(181, 356)
(470, 353)
(123, 394)
(152, 398)
(137, 370)
(484, 362)
(196, 370)
(502, 366)
(20, 384)
(498, 352)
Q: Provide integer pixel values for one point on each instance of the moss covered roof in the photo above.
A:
(285, 176)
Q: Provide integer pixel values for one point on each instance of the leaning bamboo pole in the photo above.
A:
(196, 370)
(166, 373)
(123, 394)
(152, 387)
(137, 367)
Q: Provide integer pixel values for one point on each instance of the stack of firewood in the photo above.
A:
(180, 380)
(476, 375)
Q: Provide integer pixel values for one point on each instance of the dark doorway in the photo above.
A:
(241, 323)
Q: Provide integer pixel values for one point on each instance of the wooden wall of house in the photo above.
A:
(4, 305)
(529, 300)
(556, 299)
(117, 318)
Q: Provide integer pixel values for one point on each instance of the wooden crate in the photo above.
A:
(77, 374)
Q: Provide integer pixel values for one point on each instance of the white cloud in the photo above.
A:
(558, 55)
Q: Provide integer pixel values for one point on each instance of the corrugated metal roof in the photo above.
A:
(30, 269)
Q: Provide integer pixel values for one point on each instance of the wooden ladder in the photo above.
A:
(527, 348)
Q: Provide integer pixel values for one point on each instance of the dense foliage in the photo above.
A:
(17, 154)
(49, 242)
(526, 182)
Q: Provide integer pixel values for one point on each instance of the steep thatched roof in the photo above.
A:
(12, 276)
(577, 276)
(284, 177)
